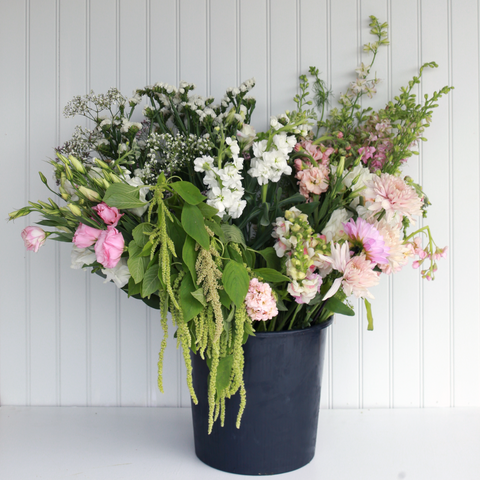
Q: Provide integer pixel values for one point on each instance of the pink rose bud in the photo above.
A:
(109, 247)
(34, 238)
(110, 215)
(86, 236)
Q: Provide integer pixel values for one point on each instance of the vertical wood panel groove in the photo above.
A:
(238, 40)
(269, 60)
(451, 192)
(58, 358)
(208, 48)
(28, 313)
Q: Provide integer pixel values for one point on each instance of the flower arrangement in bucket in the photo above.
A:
(235, 232)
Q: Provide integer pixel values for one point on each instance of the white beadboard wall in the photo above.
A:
(67, 339)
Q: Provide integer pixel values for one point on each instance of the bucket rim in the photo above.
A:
(303, 331)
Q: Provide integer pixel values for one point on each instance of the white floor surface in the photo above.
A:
(103, 443)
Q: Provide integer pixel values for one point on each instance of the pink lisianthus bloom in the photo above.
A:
(109, 247)
(34, 238)
(260, 302)
(313, 180)
(86, 236)
(110, 215)
(304, 291)
(365, 236)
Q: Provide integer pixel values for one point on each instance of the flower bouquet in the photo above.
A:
(235, 231)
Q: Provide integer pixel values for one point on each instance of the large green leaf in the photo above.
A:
(192, 223)
(270, 275)
(189, 192)
(151, 283)
(233, 234)
(335, 305)
(123, 196)
(271, 257)
(191, 307)
(137, 266)
(224, 371)
(236, 281)
(207, 210)
(189, 256)
(141, 233)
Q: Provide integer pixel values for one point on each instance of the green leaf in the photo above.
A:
(265, 219)
(207, 210)
(189, 256)
(368, 306)
(216, 229)
(233, 234)
(236, 281)
(270, 275)
(225, 300)
(249, 257)
(151, 283)
(189, 192)
(141, 234)
(192, 222)
(134, 288)
(198, 295)
(177, 234)
(123, 196)
(191, 307)
(271, 257)
(137, 266)
(224, 372)
(146, 250)
(234, 255)
(335, 305)
(308, 207)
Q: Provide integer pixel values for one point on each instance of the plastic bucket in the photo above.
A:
(283, 373)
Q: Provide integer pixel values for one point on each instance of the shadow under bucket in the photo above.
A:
(283, 375)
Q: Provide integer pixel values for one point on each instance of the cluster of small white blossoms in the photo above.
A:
(169, 153)
(225, 189)
(362, 85)
(271, 156)
(81, 105)
(306, 252)
(81, 144)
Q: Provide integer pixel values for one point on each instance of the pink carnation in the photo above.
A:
(260, 302)
(109, 247)
(359, 276)
(110, 215)
(392, 194)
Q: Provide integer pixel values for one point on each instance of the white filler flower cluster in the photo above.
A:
(225, 189)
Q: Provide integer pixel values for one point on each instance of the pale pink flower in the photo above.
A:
(313, 180)
(109, 247)
(260, 302)
(304, 291)
(392, 194)
(319, 153)
(399, 252)
(34, 238)
(359, 276)
(365, 236)
(86, 236)
(110, 215)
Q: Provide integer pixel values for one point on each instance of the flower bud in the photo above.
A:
(68, 173)
(77, 164)
(89, 194)
(63, 159)
(75, 209)
(19, 213)
(340, 167)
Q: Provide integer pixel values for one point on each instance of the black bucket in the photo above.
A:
(283, 374)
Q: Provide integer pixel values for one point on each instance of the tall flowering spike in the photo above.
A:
(365, 236)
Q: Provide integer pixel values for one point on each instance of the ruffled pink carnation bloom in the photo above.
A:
(365, 235)
(313, 180)
(110, 215)
(399, 252)
(359, 276)
(260, 302)
(109, 247)
(392, 194)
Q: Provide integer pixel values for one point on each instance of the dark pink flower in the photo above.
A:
(86, 236)
(110, 215)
